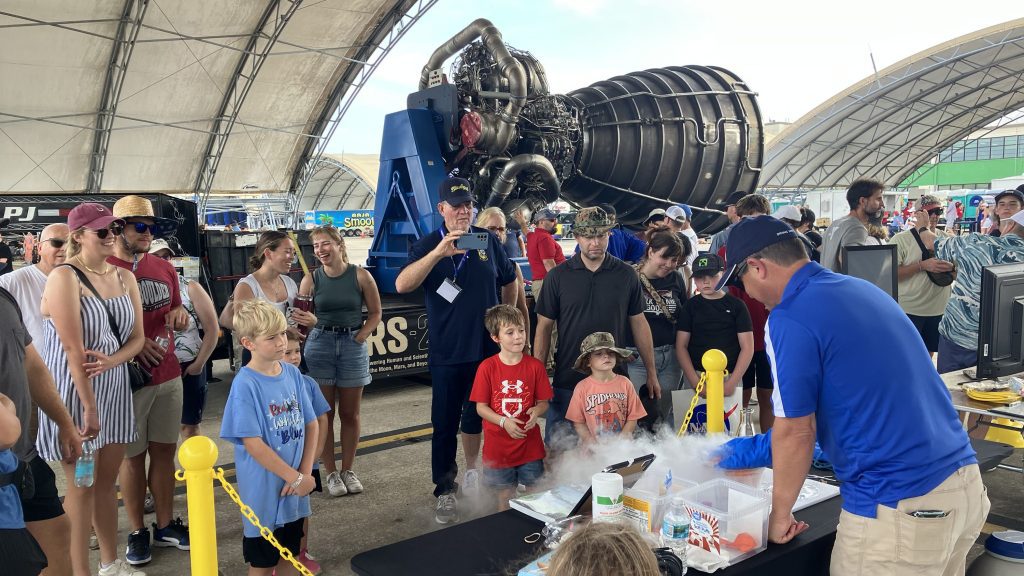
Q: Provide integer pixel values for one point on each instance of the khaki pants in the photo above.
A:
(897, 543)
(535, 287)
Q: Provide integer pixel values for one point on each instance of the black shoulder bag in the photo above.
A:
(937, 278)
(138, 376)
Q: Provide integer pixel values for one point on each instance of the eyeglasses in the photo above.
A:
(115, 229)
(465, 206)
(57, 242)
(497, 229)
(142, 227)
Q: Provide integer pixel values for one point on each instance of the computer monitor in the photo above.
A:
(1000, 347)
(876, 264)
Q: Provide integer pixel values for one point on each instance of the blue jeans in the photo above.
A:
(526, 474)
(669, 376)
(559, 434)
(450, 410)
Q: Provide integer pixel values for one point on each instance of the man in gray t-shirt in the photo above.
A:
(865, 200)
(24, 379)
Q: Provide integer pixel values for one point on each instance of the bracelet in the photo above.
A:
(298, 481)
(501, 423)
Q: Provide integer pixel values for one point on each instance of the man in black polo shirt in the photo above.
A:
(591, 292)
(458, 287)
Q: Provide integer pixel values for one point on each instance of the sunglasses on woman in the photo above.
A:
(935, 212)
(497, 229)
(115, 229)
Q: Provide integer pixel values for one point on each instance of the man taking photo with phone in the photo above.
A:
(459, 285)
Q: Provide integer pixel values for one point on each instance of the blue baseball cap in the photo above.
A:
(455, 191)
(750, 236)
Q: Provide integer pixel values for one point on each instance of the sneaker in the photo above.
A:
(149, 506)
(335, 485)
(174, 535)
(309, 562)
(119, 568)
(471, 482)
(94, 543)
(352, 484)
(447, 509)
(138, 551)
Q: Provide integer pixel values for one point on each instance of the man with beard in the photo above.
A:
(865, 200)
(591, 292)
(158, 405)
(458, 288)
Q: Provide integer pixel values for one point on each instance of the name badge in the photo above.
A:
(449, 290)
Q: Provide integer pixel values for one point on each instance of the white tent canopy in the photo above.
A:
(181, 96)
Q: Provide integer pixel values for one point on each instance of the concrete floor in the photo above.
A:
(393, 464)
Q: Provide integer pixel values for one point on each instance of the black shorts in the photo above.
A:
(928, 328)
(759, 373)
(259, 553)
(20, 554)
(316, 478)
(45, 505)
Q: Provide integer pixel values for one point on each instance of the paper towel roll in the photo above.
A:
(607, 496)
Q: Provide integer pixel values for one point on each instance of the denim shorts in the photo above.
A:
(336, 359)
(526, 474)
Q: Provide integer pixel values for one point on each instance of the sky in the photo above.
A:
(794, 53)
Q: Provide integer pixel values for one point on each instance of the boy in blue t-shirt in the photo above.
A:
(293, 356)
(20, 553)
(269, 416)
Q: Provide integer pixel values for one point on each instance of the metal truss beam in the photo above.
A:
(391, 28)
(262, 40)
(340, 170)
(117, 69)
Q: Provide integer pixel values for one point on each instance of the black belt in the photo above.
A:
(339, 329)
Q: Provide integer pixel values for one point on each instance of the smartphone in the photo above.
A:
(472, 241)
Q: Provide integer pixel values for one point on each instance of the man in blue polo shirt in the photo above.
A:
(458, 287)
(850, 368)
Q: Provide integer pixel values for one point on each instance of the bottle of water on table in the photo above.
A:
(675, 529)
(85, 467)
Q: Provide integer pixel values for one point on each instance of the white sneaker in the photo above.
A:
(471, 482)
(120, 568)
(352, 484)
(335, 486)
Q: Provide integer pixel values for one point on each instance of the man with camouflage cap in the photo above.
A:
(591, 292)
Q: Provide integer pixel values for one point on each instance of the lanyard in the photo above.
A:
(458, 267)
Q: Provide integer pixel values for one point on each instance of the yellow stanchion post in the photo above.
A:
(714, 362)
(197, 455)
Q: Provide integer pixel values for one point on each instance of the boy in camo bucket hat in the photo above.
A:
(593, 343)
(592, 222)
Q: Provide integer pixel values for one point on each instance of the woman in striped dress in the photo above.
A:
(88, 365)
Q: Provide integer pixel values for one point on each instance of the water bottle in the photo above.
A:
(85, 467)
(746, 427)
(675, 529)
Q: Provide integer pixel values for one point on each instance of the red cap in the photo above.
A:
(92, 216)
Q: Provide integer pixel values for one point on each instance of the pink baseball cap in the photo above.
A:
(92, 216)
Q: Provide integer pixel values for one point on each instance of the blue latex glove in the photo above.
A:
(756, 452)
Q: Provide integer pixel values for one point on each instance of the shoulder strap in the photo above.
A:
(110, 315)
(646, 283)
(925, 253)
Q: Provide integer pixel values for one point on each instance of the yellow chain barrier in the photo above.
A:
(265, 532)
(693, 404)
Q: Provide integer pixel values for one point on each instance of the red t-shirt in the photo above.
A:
(540, 246)
(511, 391)
(158, 287)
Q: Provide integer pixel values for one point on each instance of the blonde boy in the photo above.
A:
(270, 418)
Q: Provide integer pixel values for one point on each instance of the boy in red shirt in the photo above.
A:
(603, 404)
(511, 391)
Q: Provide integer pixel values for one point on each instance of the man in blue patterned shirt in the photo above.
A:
(958, 331)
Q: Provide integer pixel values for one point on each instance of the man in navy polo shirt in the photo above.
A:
(913, 500)
(458, 287)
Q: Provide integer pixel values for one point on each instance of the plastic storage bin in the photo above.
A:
(727, 519)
